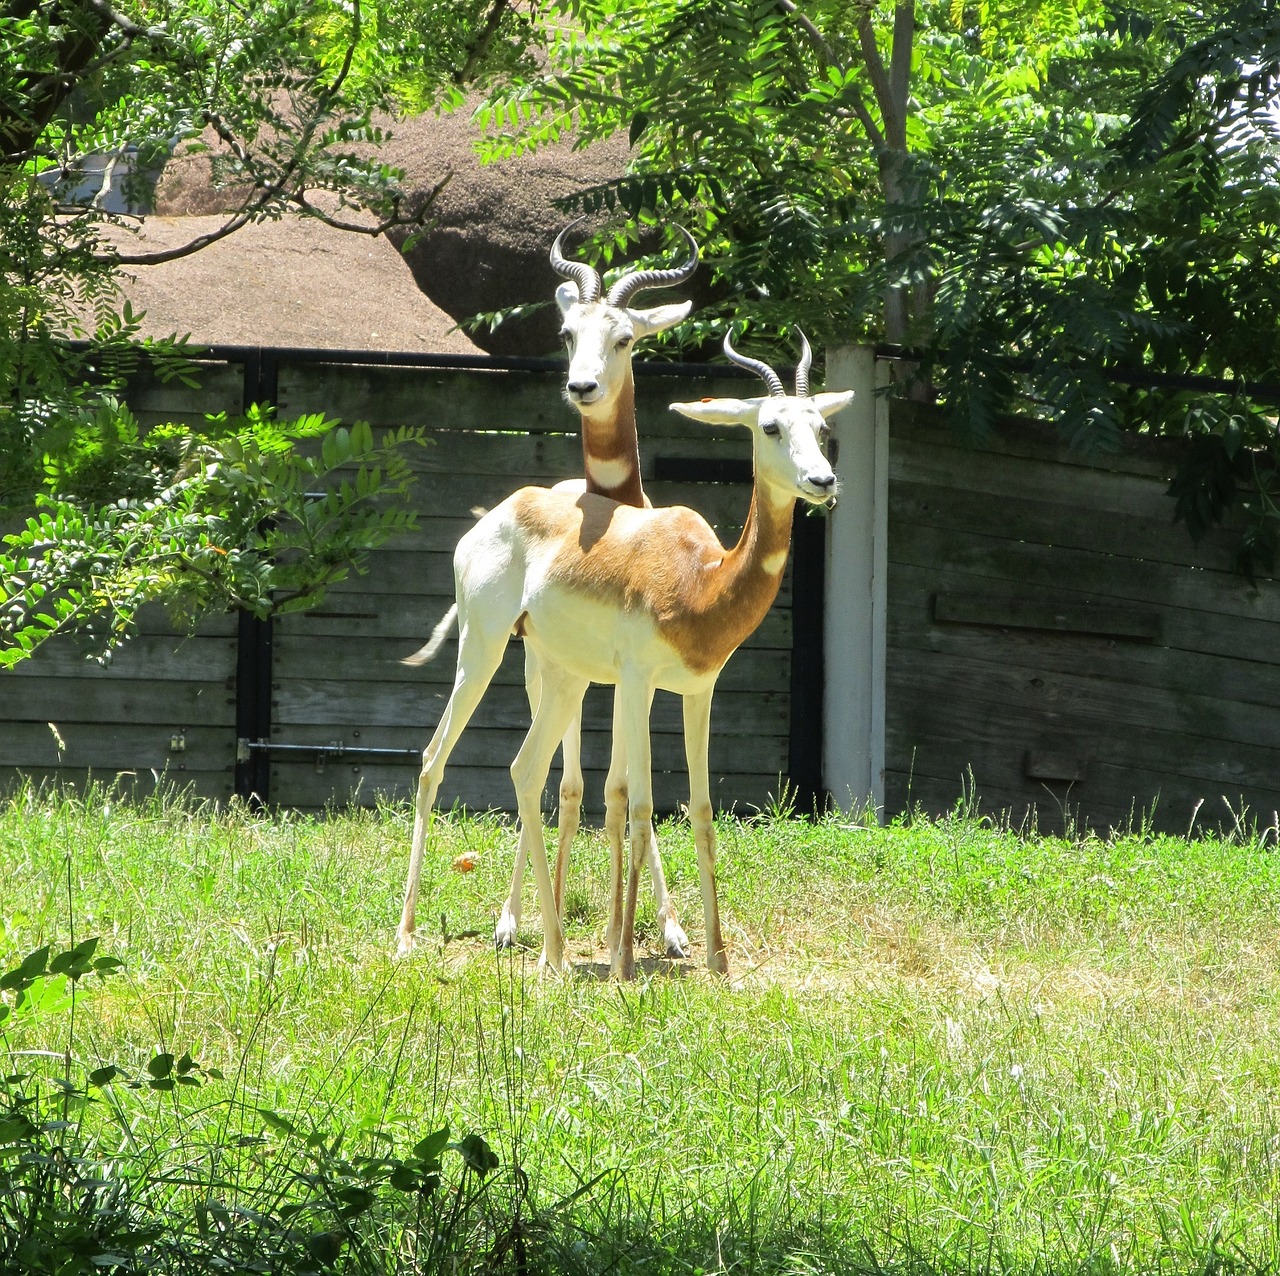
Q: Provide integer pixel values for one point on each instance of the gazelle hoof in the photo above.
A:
(677, 941)
(504, 933)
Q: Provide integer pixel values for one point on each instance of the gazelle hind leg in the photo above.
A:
(561, 695)
(697, 735)
(504, 933)
(478, 659)
(570, 815)
(674, 940)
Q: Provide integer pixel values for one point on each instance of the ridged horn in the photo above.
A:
(632, 283)
(758, 366)
(802, 368)
(584, 276)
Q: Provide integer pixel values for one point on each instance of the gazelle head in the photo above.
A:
(787, 430)
(599, 333)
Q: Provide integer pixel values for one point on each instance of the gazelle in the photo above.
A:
(599, 332)
(641, 598)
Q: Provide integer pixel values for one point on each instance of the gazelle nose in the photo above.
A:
(823, 482)
(582, 387)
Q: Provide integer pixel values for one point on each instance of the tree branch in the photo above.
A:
(480, 45)
(827, 57)
(879, 78)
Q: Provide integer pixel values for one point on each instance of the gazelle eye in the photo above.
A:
(623, 342)
(772, 429)
(566, 336)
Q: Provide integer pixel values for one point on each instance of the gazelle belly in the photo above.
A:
(600, 642)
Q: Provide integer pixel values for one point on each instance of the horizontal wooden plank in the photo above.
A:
(480, 790)
(158, 657)
(911, 630)
(1134, 728)
(214, 785)
(1061, 698)
(412, 617)
(218, 387)
(1064, 516)
(485, 745)
(1097, 577)
(1104, 620)
(172, 704)
(322, 700)
(118, 746)
(1025, 438)
(1188, 629)
(478, 399)
(310, 656)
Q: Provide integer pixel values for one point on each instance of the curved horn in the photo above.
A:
(630, 284)
(583, 275)
(802, 368)
(758, 366)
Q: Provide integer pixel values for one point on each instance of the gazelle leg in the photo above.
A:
(615, 827)
(635, 698)
(697, 734)
(561, 694)
(478, 659)
(675, 941)
(570, 815)
(504, 933)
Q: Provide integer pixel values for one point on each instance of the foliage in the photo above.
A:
(243, 515)
(81, 1193)
(283, 97)
(1036, 197)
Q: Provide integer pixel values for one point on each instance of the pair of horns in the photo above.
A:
(770, 377)
(589, 282)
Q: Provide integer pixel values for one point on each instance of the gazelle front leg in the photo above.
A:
(674, 940)
(633, 701)
(697, 736)
(561, 695)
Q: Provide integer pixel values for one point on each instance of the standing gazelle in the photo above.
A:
(599, 331)
(641, 598)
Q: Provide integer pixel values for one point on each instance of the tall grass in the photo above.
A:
(943, 1047)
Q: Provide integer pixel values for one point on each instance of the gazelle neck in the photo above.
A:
(611, 449)
(734, 594)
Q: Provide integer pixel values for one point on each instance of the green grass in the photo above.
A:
(943, 1047)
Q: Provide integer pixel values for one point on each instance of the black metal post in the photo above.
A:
(254, 637)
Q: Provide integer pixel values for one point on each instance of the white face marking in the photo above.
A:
(607, 475)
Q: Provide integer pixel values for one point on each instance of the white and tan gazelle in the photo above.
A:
(599, 331)
(641, 598)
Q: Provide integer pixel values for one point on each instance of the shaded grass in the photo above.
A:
(943, 1047)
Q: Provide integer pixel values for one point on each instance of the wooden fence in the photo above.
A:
(1055, 641)
(316, 708)
(1038, 632)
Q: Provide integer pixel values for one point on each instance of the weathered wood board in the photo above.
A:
(1060, 648)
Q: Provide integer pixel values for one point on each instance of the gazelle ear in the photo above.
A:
(832, 401)
(647, 322)
(721, 411)
(567, 297)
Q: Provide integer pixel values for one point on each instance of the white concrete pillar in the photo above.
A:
(857, 563)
